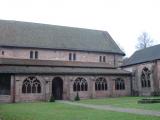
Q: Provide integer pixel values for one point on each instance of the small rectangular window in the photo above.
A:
(31, 54)
(70, 56)
(2, 52)
(74, 56)
(100, 58)
(104, 58)
(36, 54)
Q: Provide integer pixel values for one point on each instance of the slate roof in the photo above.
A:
(51, 63)
(24, 66)
(60, 70)
(35, 35)
(144, 55)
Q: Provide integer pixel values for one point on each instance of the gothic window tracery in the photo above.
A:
(119, 84)
(80, 84)
(145, 77)
(31, 85)
(101, 84)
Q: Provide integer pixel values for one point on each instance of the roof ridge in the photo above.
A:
(39, 23)
(148, 48)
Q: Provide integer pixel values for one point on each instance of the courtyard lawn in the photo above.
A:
(59, 111)
(126, 102)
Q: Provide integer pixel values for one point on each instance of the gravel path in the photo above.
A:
(116, 109)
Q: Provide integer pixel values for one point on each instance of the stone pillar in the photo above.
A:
(65, 87)
(47, 87)
(18, 87)
(92, 82)
(13, 91)
(71, 95)
(111, 86)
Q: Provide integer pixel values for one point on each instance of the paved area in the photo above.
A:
(116, 109)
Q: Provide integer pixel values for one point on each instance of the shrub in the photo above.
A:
(135, 93)
(77, 98)
(155, 93)
(149, 100)
(52, 99)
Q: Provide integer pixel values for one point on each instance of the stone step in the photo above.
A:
(5, 98)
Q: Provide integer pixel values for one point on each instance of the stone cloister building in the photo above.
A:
(145, 67)
(39, 60)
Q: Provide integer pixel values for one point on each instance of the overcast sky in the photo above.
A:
(125, 20)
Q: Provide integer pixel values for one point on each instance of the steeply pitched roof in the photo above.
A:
(34, 35)
(60, 70)
(144, 55)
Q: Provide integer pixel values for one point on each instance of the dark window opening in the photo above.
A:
(36, 54)
(2, 52)
(80, 84)
(74, 56)
(100, 58)
(5, 84)
(101, 84)
(74, 87)
(104, 58)
(57, 88)
(70, 56)
(145, 78)
(119, 84)
(31, 54)
(31, 85)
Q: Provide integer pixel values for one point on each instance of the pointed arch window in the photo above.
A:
(31, 85)
(101, 84)
(80, 84)
(119, 84)
(145, 78)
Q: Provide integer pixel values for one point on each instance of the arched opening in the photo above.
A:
(101, 84)
(145, 78)
(80, 84)
(119, 84)
(57, 88)
(31, 85)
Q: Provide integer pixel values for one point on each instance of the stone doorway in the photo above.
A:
(57, 88)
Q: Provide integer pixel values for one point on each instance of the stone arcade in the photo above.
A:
(39, 60)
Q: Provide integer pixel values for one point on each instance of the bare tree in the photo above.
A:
(144, 41)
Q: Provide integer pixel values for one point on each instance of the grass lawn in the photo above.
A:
(127, 102)
(58, 111)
